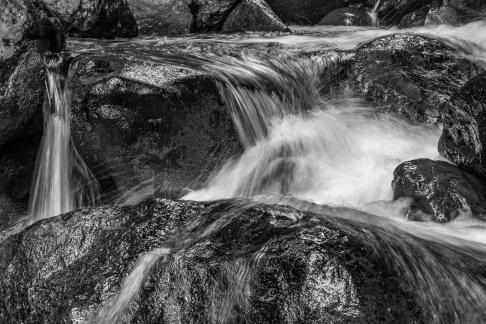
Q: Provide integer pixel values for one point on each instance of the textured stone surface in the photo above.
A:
(95, 18)
(253, 15)
(441, 189)
(411, 75)
(161, 17)
(457, 12)
(463, 140)
(260, 264)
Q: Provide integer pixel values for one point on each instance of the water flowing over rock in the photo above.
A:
(441, 189)
(464, 138)
(253, 15)
(145, 125)
(94, 18)
(247, 263)
(349, 16)
(27, 30)
(411, 75)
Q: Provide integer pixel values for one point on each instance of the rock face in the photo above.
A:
(260, 264)
(95, 18)
(440, 189)
(161, 17)
(349, 16)
(410, 75)
(463, 140)
(28, 29)
(253, 15)
(136, 121)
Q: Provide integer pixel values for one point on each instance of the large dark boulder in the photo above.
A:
(135, 121)
(463, 140)
(257, 264)
(95, 18)
(253, 15)
(161, 17)
(28, 29)
(440, 189)
(411, 75)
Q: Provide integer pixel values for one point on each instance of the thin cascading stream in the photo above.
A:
(62, 181)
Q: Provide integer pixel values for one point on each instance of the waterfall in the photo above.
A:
(374, 14)
(62, 181)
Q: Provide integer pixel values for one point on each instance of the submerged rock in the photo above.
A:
(255, 264)
(161, 17)
(411, 75)
(349, 16)
(253, 15)
(463, 140)
(441, 189)
(95, 18)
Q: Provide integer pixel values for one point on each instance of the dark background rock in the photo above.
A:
(410, 75)
(441, 189)
(95, 18)
(253, 15)
(463, 139)
(209, 15)
(161, 17)
(279, 269)
(456, 12)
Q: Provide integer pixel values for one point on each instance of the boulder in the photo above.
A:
(440, 189)
(404, 13)
(410, 75)
(28, 29)
(95, 18)
(261, 264)
(161, 17)
(463, 140)
(148, 125)
(349, 16)
(209, 15)
(253, 15)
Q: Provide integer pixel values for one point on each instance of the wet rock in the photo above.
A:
(95, 18)
(261, 264)
(253, 15)
(349, 16)
(440, 189)
(404, 13)
(304, 12)
(28, 29)
(136, 121)
(161, 17)
(209, 15)
(411, 75)
(463, 140)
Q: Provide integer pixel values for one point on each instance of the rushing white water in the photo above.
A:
(343, 155)
(373, 13)
(62, 181)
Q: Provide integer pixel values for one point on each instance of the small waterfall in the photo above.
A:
(373, 13)
(62, 181)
